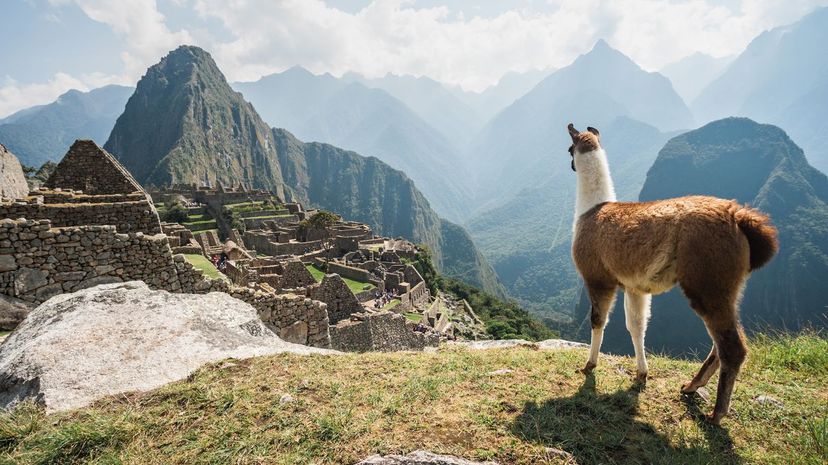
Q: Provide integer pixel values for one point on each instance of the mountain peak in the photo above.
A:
(184, 124)
(601, 45)
(603, 53)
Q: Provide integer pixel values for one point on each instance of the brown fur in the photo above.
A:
(706, 245)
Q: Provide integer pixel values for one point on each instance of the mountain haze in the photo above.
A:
(598, 87)
(42, 133)
(693, 73)
(369, 121)
(780, 78)
(437, 105)
(185, 124)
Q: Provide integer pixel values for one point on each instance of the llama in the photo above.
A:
(706, 245)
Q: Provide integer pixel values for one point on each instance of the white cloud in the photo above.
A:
(141, 26)
(398, 37)
(14, 96)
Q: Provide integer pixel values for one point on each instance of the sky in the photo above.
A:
(57, 45)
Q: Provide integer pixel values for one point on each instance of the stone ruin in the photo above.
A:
(380, 332)
(59, 239)
(80, 230)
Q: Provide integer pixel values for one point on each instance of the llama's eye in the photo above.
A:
(571, 150)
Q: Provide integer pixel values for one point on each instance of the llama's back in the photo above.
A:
(650, 245)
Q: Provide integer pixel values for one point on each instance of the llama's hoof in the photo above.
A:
(688, 388)
(587, 369)
(641, 378)
(714, 418)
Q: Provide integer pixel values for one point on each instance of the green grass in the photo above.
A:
(391, 304)
(252, 206)
(199, 226)
(413, 316)
(351, 406)
(201, 263)
(355, 286)
(198, 218)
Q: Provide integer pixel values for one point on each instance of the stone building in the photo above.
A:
(59, 239)
(92, 170)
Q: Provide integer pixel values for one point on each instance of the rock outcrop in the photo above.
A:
(419, 457)
(76, 348)
(12, 311)
(12, 181)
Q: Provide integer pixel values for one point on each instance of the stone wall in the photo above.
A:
(38, 261)
(337, 296)
(295, 275)
(294, 318)
(127, 217)
(383, 332)
(263, 242)
(349, 272)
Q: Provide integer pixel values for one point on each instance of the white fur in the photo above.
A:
(594, 181)
(637, 312)
(595, 187)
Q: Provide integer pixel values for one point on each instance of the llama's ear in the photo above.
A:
(572, 131)
(593, 130)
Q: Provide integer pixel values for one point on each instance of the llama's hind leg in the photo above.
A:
(732, 351)
(602, 298)
(708, 368)
(637, 313)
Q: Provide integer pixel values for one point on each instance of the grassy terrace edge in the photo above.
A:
(452, 401)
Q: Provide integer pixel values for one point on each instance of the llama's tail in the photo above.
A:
(761, 235)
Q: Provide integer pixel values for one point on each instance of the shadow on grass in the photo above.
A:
(603, 428)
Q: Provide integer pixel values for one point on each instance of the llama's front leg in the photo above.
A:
(637, 312)
(602, 300)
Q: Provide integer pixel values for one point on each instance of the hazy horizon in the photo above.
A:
(458, 43)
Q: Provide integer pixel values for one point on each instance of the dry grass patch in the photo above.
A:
(509, 405)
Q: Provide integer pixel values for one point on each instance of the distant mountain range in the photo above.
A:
(184, 124)
(369, 121)
(757, 164)
(44, 133)
(780, 78)
(516, 148)
(693, 73)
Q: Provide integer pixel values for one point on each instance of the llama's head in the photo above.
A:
(583, 142)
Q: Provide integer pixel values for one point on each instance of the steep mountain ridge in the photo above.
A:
(42, 133)
(185, 124)
(781, 78)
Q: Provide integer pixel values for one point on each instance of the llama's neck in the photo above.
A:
(594, 181)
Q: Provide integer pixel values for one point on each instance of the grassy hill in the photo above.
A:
(450, 401)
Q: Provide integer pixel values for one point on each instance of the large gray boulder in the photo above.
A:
(12, 181)
(419, 457)
(114, 338)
